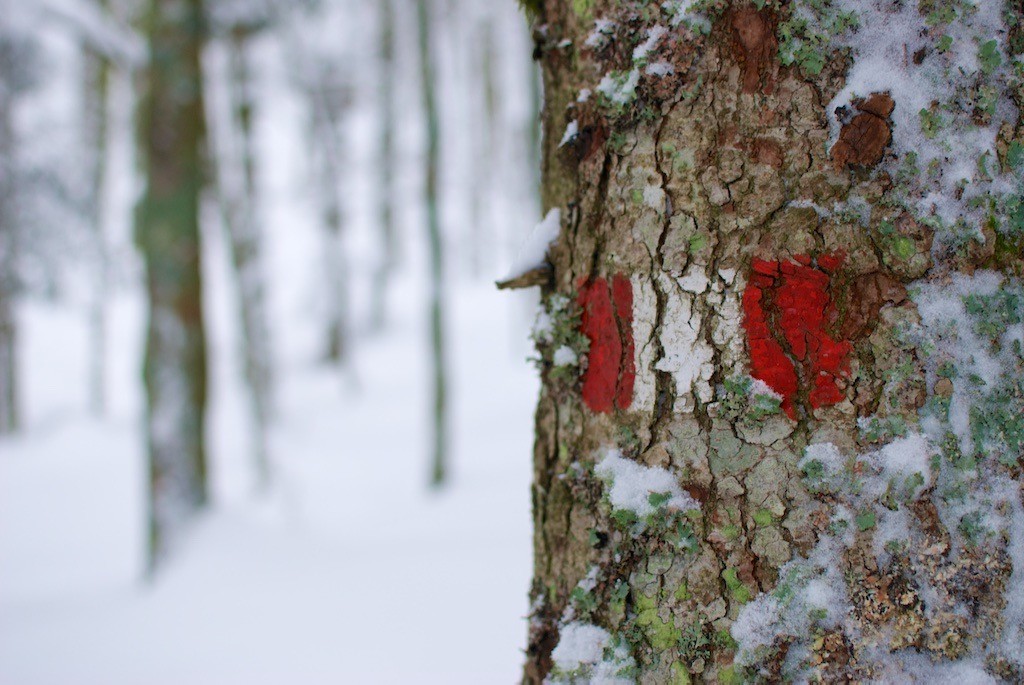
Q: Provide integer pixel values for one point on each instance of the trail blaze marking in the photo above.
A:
(607, 322)
(786, 308)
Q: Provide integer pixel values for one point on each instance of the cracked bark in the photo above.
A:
(738, 144)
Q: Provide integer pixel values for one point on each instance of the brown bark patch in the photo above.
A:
(755, 46)
(542, 641)
(863, 140)
(768, 152)
(866, 296)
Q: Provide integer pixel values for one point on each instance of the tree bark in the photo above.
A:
(97, 97)
(329, 99)
(484, 230)
(439, 374)
(387, 93)
(240, 201)
(779, 432)
(172, 136)
(9, 418)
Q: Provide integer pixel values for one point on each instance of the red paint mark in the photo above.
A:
(607, 322)
(789, 302)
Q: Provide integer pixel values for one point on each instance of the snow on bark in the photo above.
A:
(887, 535)
(947, 324)
(572, 129)
(811, 593)
(970, 45)
(533, 253)
(631, 485)
(586, 653)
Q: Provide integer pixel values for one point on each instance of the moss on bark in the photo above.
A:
(698, 181)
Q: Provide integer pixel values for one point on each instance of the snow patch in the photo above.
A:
(586, 653)
(578, 644)
(682, 11)
(565, 356)
(759, 387)
(905, 457)
(603, 29)
(654, 35)
(631, 485)
(828, 455)
(661, 68)
(533, 253)
(620, 89)
(945, 321)
(887, 33)
(913, 667)
(811, 592)
(1013, 612)
(571, 131)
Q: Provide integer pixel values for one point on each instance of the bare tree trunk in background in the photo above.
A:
(240, 203)
(427, 55)
(172, 134)
(791, 448)
(9, 419)
(329, 100)
(97, 99)
(16, 75)
(483, 231)
(386, 158)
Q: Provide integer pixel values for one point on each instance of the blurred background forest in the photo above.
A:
(288, 441)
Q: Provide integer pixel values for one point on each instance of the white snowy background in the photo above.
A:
(351, 570)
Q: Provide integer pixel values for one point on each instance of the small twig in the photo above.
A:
(539, 276)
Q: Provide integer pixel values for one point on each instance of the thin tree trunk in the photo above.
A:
(97, 97)
(9, 418)
(483, 228)
(386, 154)
(779, 436)
(172, 136)
(9, 415)
(328, 101)
(242, 220)
(438, 464)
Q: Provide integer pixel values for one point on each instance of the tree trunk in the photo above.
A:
(438, 463)
(483, 228)
(172, 136)
(9, 281)
(97, 97)
(779, 434)
(387, 89)
(11, 79)
(329, 101)
(240, 202)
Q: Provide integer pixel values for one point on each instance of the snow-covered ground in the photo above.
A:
(351, 573)
(351, 570)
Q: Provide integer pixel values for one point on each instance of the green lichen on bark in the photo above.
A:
(720, 156)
